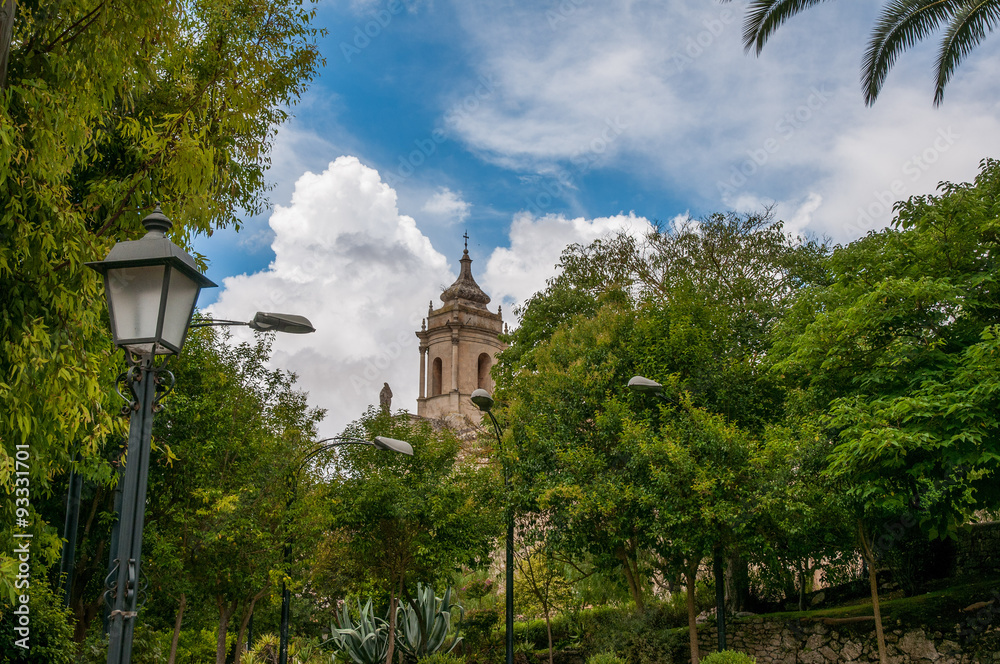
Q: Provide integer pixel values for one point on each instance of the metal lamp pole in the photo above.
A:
(152, 286)
(645, 385)
(379, 442)
(484, 402)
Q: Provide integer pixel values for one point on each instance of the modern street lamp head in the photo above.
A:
(289, 323)
(482, 399)
(642, 384)
(393, 445)
(152, 286)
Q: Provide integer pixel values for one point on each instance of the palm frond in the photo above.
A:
(901, 24)
(966, 29)
(765, 16)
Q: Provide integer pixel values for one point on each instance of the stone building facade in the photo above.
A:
(459, 342)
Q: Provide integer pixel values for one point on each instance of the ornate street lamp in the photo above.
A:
(152, 286)
(379, 443)
(645, 385)
(484, 402)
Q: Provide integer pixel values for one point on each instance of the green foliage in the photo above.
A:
(441, 658)
(643, 638)
(108, 108)
(482, 635)
(265, 651)
(231, 434)
(605, 658)
(898, 350)
(367, 640)
(147, 647)
(49, 628)
(398, 520)
(728, 657)
(901, 24)
(425, 622)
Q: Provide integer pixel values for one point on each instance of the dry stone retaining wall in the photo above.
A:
(799, 642)
(977, 550)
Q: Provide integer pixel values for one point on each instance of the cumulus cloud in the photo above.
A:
(447, 207)
(362, 273)
(514, 273)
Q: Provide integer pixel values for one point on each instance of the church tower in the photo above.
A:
(458, 346)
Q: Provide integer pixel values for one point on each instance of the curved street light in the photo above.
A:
(484, 402)
(645, 385)
(379, 443)
(265, 322)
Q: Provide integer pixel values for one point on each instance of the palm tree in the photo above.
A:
(901, 24)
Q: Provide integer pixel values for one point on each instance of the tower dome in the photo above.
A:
(465, 287)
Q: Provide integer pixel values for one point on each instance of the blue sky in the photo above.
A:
(535, 124)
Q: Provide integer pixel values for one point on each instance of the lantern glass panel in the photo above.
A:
(181, 296)
(134, 297)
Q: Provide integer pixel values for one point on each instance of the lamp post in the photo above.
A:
(484, 402)
(380, 443)
(152, 286)
(645, 385)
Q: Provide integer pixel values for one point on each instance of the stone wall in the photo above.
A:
(977, 551)
(801, 642)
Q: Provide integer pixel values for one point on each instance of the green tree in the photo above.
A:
(215, 522)
(895, 347)
(699, 474)
(901, 24)
(399, 520)
(693, 302)
(108, 108)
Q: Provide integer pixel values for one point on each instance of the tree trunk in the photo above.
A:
(631, 577)
(225, 613)
(177, 630)
(802, 586)
(737, 583)
(7, 13)
(244, 621)
(692, 572)
(873, 582)
(393, 599)
(548, 629)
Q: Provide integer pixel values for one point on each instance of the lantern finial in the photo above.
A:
(156, 221)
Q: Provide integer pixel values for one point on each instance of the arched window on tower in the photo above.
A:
(485, 361)
(436, 377)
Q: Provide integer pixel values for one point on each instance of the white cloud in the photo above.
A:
(447, 207)
(702, 118)
(362, 273)
(514, 273)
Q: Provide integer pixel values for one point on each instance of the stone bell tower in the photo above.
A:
(458, 346)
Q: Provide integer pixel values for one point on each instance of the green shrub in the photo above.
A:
(605, 658)
(48, 626)
(442, 658)
(481, 635)
(728, 657)
(637, 638)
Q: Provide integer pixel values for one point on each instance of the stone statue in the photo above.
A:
(385, 398)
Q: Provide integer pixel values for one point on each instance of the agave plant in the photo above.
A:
(424, 623)
(366, 642)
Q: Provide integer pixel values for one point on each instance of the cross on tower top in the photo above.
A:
(466, 236)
